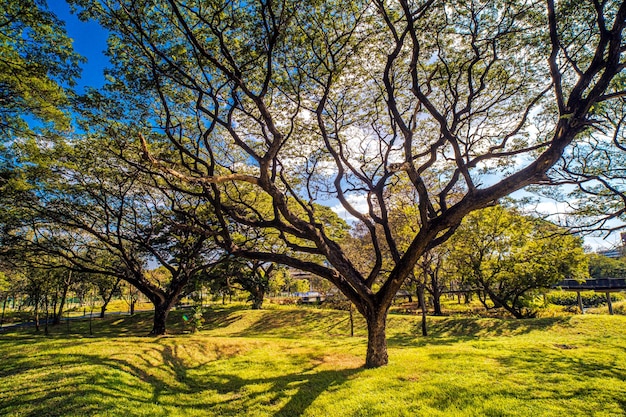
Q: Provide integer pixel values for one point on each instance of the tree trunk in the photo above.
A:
(609, 302)
(434, 281)
(376, 339)
(4, 307)
(161, 311)
(257, 298)
(107, 299)
(420, 297)
(498, 302)
(437, 306)
(437, 303)
(436, 299)
(483, 299)
(45, 302)
(37, 328)
(468, 297)
(59, 314)
(55, 299)
(351, 320)
(580, 302)
(91, 321)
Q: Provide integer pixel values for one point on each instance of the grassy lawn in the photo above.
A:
(292, 361)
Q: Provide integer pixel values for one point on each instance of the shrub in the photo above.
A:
(589, 298)
(285, 301)
(195, 320)
(620, 308)
(336, 302)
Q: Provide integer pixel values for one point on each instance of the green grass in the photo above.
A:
(287, 361)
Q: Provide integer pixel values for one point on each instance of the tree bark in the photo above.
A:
(434, 281)
(58, 314)
(498, 302)
(36, 312)
(162, 307)
(351, 320)
(420, 297)
(45, 303)
(106, 299)
(437, 303)
(161, 311)
(258, 295)
(376, 339)
(580, 302)
(4, 307)
(91, 321)
(103, 309)
(468, 297)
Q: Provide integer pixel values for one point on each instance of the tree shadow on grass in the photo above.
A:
(294, 391)
(295, 323)
(558, 358)
(123, 324)
(561, 373)
(458, 329)
(157, 379)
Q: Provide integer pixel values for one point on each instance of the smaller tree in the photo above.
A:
(601, 266)
(430, 269)
(107, 286)
(509, 257)
(61, 281)
(130, 294)
(241, 274)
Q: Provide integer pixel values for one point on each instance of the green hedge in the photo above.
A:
(589, 298)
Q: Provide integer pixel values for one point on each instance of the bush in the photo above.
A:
(336, 302)
(589, 298)
(285, 301)
(195, 320)
(620, 308)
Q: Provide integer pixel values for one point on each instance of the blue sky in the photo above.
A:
(89, 41)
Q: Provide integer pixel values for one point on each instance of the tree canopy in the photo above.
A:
(37, 65)
(510, 258)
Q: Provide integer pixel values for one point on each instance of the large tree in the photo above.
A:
(336, 100)
(98, 213)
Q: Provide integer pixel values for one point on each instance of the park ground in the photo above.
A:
(298, 361)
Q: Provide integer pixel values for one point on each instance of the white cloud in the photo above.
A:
(358, 201)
